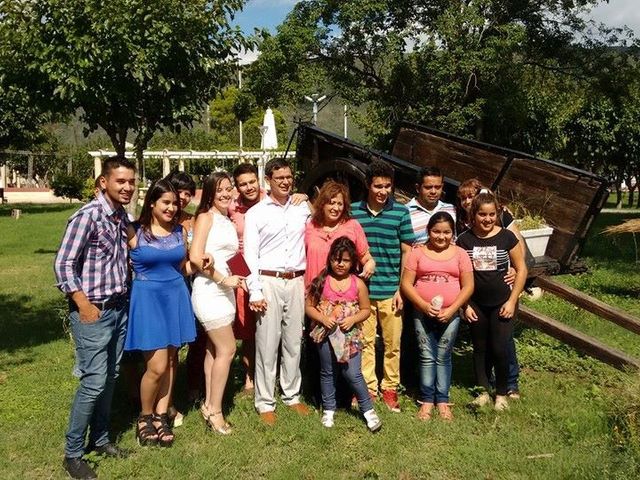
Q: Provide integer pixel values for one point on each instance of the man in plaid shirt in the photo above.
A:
(91, 269)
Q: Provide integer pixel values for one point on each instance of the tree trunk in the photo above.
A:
(618, 187)
(632, 192)
(140, 144)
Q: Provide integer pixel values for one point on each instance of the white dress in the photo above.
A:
(213, 304)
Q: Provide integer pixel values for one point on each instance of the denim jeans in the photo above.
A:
(98, 351)
(513, 377)
(435, 344)
(351, 371)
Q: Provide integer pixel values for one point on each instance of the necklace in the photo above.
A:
(341, 285)
(328, 231)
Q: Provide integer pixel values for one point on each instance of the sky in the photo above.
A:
(270, 13)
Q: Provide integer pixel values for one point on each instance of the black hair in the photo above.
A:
(428, 171)
(182, 181)
(209, 187)
(275, 164)
(112, 163)
(339, 246)
(441, 217)
(243, 168)
(378, 168)
(156, 190)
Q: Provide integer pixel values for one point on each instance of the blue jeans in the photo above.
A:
(435, 344)
(98, 352)
(351, 371)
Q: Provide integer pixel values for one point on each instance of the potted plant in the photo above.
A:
(533, 227)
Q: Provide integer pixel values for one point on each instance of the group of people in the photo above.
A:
(267, 266)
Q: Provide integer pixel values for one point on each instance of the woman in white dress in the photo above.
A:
(213, 296)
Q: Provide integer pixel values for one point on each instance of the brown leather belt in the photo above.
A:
(285, 275)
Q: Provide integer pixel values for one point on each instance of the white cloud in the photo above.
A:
(618, 13)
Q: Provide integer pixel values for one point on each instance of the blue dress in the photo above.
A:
(160, 312)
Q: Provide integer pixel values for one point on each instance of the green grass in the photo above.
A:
(575, 419)
(611, 201)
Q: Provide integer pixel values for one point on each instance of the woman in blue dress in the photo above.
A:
(160, 314)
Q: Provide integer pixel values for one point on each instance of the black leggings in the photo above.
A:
(490, 335)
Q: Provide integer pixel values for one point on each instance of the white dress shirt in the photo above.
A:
(274, 240)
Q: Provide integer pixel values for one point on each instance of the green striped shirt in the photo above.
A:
(385, 233)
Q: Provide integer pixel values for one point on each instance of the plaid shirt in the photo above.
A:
(93, 252)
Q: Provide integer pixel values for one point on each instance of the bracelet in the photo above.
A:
(221, 281)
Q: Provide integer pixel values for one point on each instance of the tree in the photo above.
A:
(456, 65)
(232, 105)
(125, 65)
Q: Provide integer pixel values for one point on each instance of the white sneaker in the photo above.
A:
(501, 403)
(482, 400)
(327, 418)
(373, 421)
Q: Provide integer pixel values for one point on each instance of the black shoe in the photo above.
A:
(78, 468)
(110, 450)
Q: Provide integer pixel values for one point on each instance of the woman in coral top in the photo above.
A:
(438, 280)
(331, 219)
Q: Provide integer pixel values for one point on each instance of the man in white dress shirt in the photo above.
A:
(274, 250)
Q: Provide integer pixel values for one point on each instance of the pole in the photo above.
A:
(240, 121)
(315, 99)
(345, 120)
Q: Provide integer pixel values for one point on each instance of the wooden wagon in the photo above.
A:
(568, 198)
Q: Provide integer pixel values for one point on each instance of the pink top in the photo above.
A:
(236, 212)
(318, 242)
(438, 277)
(349, 295)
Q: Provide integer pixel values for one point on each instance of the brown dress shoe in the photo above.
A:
(300, 409)
(268, 418)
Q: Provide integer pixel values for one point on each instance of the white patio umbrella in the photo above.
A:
(269, 141)
(270, 137)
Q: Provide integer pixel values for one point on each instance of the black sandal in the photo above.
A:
(165, 434)
(146, 433)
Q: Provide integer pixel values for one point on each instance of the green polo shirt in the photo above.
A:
(385, 233)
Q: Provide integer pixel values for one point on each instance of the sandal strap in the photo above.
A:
(145, 426)
(164, 430)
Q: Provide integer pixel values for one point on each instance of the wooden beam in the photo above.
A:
(590, 304)
(580, 341)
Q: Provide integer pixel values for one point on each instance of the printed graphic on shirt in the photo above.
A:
(436, 277)
(485, 258)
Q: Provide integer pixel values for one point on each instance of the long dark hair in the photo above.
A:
(156, 190)
(209, 188)
(339, 246)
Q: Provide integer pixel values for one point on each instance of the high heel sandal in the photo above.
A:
(146, 433)
(165, 434)
(204, 411)
(224, 429)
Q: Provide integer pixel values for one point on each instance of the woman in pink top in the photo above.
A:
(331, 220)
(438, 280)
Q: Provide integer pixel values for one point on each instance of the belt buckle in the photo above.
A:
(100, 305)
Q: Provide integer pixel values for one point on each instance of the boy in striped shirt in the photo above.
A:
(387, 225)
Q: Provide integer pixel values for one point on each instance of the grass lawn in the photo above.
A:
(576, 418)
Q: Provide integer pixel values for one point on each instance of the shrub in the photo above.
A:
(68, 186)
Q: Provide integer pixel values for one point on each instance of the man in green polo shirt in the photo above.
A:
(387, 225)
